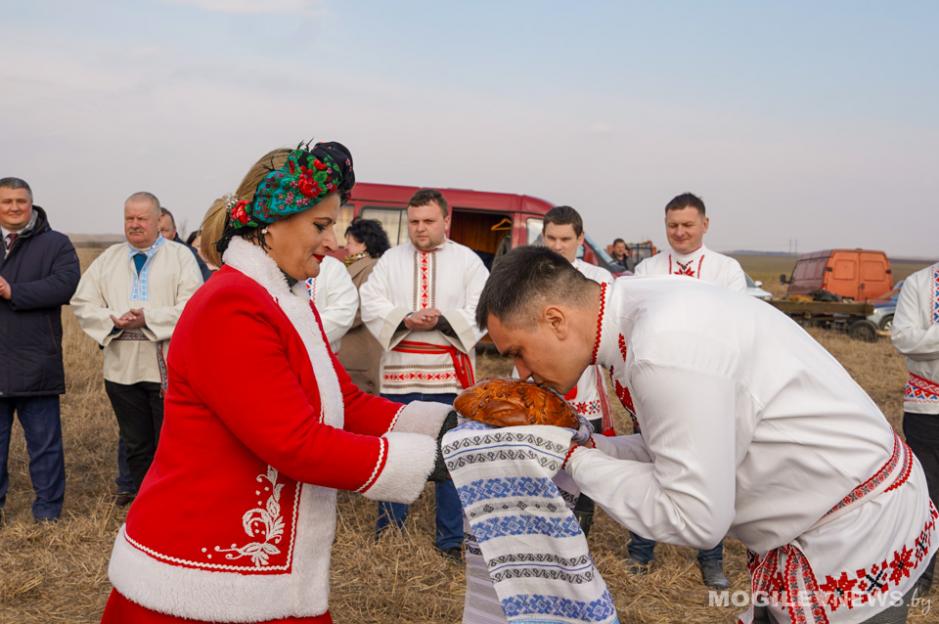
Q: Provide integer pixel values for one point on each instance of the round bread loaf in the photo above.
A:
(512, 402)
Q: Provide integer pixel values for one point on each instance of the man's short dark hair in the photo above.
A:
(686, 200)
(565, 215)
(164, 212)
(370, 233)
(427, 195)
(618, 240)
(16, 183)
(526, 276)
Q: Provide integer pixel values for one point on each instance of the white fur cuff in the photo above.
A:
(422, 417)
(411, 458)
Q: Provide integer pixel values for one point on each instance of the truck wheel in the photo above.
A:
(887, 322)
(863, 330)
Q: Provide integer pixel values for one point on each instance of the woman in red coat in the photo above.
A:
(236, 517)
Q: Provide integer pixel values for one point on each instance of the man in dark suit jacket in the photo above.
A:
(38, 273)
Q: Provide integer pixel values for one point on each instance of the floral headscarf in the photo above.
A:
(308, 175)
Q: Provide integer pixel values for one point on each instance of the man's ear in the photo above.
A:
(555, 318)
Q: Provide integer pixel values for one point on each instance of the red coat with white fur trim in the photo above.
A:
(236, 517)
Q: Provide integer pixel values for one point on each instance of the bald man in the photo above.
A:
(128, 301)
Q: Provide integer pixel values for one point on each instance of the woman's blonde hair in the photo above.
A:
(213, 224)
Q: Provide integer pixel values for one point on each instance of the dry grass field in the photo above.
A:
(57, 573)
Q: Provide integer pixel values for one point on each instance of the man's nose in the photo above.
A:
(523, 371)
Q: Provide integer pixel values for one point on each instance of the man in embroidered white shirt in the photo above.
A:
(128, 301)
(749, 428)
(915, 334)
(686, 223)
(420, 304)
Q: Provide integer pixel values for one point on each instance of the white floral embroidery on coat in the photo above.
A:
(261, 522)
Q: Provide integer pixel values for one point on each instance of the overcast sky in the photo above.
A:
(793, 120)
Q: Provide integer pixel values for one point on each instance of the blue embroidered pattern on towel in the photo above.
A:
(599, 610)
(503, 488)
(521, 522)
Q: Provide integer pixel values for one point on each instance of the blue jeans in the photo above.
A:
(641, 549)
(449, 517)
(42, 428)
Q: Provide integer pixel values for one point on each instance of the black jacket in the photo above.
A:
(203, 267)
(43, 271)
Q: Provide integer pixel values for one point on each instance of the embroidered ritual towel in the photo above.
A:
(535, 552)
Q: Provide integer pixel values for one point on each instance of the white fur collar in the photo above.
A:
(251, 260)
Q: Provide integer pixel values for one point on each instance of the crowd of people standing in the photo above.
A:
(252, 375)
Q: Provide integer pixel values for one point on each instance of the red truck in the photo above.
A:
(489, 223)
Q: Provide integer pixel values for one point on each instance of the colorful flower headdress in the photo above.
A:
(308, 175)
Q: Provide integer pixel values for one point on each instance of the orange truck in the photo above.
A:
(855, 274)
(833, 289)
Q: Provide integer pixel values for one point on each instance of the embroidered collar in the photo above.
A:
(607, 352)
(687, 264)
(140, 289)
(600, 316)
(606, 325)
(149, 251)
